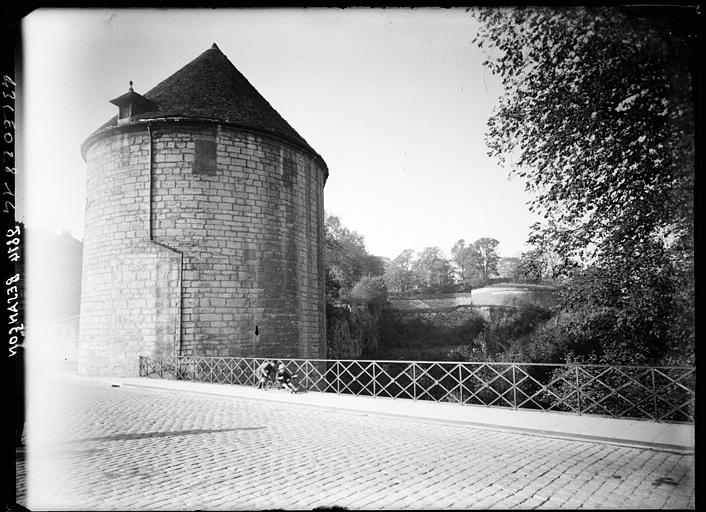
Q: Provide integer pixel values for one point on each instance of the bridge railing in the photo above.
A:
(636, 392)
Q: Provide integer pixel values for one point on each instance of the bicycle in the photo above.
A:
(277, 384)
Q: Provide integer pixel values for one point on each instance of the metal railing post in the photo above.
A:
(460, 384)
(374, 381)
(414, 381)
(654, 394)
(514, 388)
(578, 389)
(338, 381)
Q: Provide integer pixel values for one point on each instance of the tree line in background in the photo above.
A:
(429, 271)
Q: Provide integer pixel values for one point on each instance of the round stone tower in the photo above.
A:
(204, 227)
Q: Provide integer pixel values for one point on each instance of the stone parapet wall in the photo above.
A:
(510, 295)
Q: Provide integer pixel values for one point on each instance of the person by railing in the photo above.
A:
(266, 371)
(285, 378)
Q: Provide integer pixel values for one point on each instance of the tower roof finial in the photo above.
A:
(131, 85)
(214, 46)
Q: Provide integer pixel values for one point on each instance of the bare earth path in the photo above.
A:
(105, 448)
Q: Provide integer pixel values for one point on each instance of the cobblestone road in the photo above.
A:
(137, 449)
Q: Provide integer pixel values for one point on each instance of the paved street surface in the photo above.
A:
(129, 448)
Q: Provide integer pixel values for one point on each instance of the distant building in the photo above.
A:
(204, 227)
(53, 279)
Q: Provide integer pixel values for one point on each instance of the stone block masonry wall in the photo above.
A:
(129, 287)
(250, 232)
(252, 238)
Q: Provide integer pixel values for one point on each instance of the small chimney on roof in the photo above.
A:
(132, 104)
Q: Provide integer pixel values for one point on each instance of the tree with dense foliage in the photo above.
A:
(370, 291)
(345, 258)
(543, 262)
(399, 274)
(373, 265)
(457, 256)
(465, 257)
(531, 268)
(597, 117)
(476, 262)
(343, 250)
(432, 270)
(488, 260)
(351, 275)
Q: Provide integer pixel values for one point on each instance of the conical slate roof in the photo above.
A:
(211, 88)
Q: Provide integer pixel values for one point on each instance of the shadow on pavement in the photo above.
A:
(147, 435)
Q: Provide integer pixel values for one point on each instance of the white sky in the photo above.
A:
(395, 101)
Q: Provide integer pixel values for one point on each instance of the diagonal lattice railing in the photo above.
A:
(655, 393)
